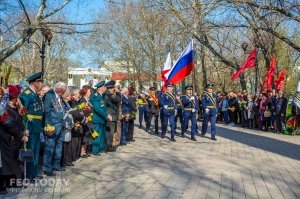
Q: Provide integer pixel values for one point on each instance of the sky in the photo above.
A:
(81, 13)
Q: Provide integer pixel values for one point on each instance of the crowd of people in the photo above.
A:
(64, 125)
(264, 111)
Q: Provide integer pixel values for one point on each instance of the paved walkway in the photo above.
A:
(241, 164)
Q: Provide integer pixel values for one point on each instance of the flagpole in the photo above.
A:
(256, 71)
(194, 72)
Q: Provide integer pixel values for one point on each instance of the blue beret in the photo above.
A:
(36, 77)
(209, 86)
(188, 87)
(22, 84)
(110, 84)
(99, 84)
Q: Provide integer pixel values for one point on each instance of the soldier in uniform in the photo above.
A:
(143, 108)
(168, 104)
(112, 98)
(190, 107)
(33, 121)
(210, 109)
(179, 110)
(153, 109)
(100, 118)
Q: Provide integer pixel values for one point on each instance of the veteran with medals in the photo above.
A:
(190, 107)
(100, 118)
(209, 103)
(33, 121)
(153, 110)
(168, 104)
(55, 109)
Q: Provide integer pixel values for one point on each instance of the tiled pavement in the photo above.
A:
(241, 164)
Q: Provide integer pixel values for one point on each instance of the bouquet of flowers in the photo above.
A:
(95, 134)
(84, 106)
(86, 109)
(4, 117)
(90, 117)
(49, 129)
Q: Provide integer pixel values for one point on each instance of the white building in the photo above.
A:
(87, 76)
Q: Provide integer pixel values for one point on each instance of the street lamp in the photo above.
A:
(47, 37)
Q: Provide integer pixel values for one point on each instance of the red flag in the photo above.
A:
(279, 82)
(263, 85)
(271, 72)
(269, 75)
(248, 63)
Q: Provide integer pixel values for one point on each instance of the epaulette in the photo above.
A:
(27, 92)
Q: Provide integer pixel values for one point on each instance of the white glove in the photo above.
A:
(192, 98)
(165, 106)
(193, 110)
(206, 110)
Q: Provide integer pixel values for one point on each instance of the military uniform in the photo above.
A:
(99, 120)
(112, 101)
(179, 114)
(33, 123)
(190, 108)
(153, 110)
(143, 110)
(168, 104)
(210, 109)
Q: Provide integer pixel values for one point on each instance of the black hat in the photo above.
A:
(100, 84)
(209, 85)
(110, 84)
(152, 88)
(35, 77)
(170, 84)
(188, 87)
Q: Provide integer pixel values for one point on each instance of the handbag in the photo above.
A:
(25, 155)
(267, 113)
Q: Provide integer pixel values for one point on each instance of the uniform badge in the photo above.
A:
(27, 92)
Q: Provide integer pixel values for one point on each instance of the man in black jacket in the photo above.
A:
(280, 110)
(112, 98)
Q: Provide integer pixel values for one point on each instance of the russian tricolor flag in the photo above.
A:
(183, 66)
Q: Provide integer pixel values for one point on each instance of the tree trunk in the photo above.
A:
(243, 82)
(203, 68)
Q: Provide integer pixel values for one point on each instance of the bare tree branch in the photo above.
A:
(281, 10)
(74, 23)
(56, 9)
(25, 12)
